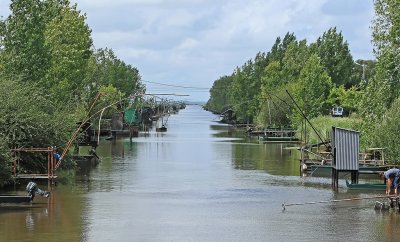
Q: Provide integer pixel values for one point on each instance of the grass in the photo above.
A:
(323, 125)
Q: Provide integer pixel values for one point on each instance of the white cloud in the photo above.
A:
(143, 54)
(187, 44)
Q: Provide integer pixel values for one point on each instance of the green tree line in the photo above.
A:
(50, 73)
(321, 75)
(317, 74)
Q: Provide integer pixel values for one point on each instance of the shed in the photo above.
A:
(345, 149)
(345, 144)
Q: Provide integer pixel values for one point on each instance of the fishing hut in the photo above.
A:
(228, 116)
(51, 163)
(125, 123)
(131, 120)
(86, 138)
(345, 150)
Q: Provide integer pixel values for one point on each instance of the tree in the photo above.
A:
(335, 56)
(384, 88)
(312, 89)
(272, 78)
(239, 95)
(386, 32)
(346, 98)
(246, 86)
(68, 39)
(219, 99)
(296, 55)
(109, 70)
(277, 76)
(278, 50)
(386, 26)
(24, 56)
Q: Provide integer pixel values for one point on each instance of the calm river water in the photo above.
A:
(200, 181)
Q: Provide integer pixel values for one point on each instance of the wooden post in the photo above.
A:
(335, 179)
(114, 134)
(53, 163)
(130, 133)
(14, 157)
(49, 155)
(354, 177)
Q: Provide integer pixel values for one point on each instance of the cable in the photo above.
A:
(170, 85)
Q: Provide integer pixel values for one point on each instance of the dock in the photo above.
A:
(370, 161)
(275, 135)
(15, 199)
(34, 176)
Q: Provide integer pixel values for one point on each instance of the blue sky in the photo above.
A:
(194, 42)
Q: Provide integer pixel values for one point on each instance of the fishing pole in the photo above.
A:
(305, 117)
(337, 200)
(75, 134)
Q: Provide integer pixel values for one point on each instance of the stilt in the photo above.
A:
(354, 177)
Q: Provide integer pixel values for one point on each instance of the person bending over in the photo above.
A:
(392, 177)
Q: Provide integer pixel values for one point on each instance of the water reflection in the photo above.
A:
(43, 219)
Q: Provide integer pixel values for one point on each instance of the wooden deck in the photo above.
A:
(34, 176)
(275, 135)
(371, 161)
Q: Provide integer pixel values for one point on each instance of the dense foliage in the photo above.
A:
(320, 75)
(50, 73)
(380, 98)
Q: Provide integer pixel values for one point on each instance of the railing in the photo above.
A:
(51, 162)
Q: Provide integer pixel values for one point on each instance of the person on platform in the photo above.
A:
(392, 178)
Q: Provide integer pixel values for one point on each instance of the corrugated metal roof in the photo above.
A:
(345, 144)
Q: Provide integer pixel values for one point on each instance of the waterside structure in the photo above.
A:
(51, 163)
(341, 155)
(275, 135)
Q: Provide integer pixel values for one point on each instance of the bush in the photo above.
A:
(386, 133)
(29, 119)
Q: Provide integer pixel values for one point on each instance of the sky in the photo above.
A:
(192, 43)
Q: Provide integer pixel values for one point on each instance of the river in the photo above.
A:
(199, 181)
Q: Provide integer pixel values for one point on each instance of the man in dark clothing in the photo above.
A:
(392, 177)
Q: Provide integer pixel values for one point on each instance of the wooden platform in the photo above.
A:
(34, 176)
(366, 186)
(15, 199)
(311, 167)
